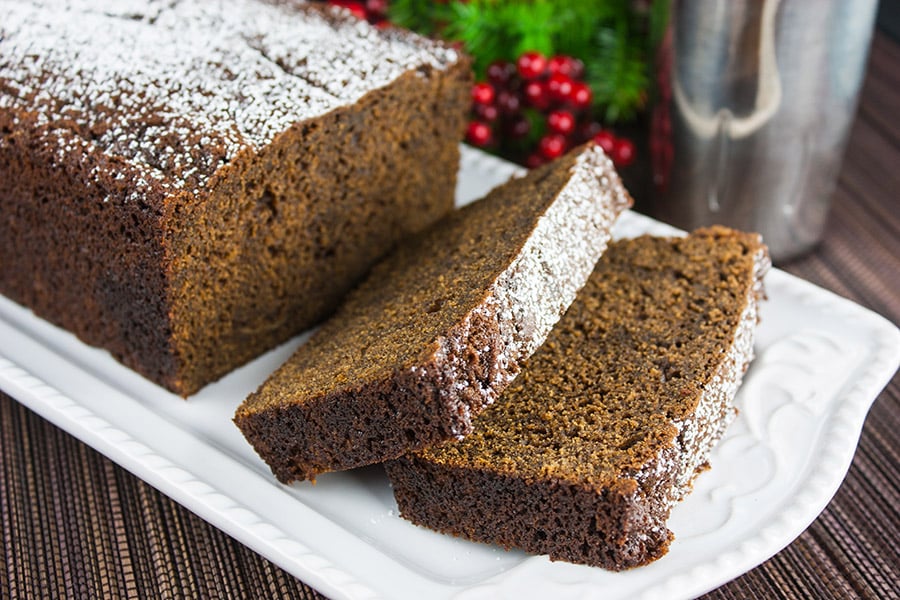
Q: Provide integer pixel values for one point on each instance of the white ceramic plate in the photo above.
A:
(821, 361)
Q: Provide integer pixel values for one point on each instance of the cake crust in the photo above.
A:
(438, 328)
(609, 422)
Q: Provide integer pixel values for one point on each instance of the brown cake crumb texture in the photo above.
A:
(189, 183)
(585, 453)
(439, 328)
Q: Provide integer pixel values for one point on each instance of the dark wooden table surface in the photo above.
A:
(74, 524)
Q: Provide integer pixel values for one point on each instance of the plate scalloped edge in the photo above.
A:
(216, 505)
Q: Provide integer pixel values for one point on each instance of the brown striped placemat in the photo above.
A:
(76, 525)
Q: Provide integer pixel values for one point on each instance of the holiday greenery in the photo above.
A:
(536, 109)
(613, 38)
(550, 74)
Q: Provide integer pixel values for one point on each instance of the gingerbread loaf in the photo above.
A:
(585, 454)
(440, 327)
(188, 184)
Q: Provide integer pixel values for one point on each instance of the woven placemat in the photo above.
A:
(75, 525)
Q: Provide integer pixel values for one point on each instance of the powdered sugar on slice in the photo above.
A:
(532, 293)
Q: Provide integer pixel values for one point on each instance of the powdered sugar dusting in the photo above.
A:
(532, 293)
(344, 70)
(179, 88)
(560, 255)
(451, 357)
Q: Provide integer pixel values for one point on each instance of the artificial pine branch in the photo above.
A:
(423, 16)
(617, 71)
(606, 34)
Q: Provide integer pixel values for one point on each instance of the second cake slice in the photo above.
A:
(584, 456)
(440, 327)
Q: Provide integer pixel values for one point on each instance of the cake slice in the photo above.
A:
(604, 430)
(440, 327)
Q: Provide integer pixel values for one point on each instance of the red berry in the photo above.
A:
(535, 160)
(486, 112)
(552, 145)
(580, 95)
(536, 94)
(500, 72)
(478, 134)
(508, 103)
(558, 64)
(588, 130)
(531, 65)
(517, 128)
(561, 121)
(566, 65)
(623, 152)
(560, 87)
(358, 12)
(356, 8)
(377, 9)
(482, 93)
(606, 140)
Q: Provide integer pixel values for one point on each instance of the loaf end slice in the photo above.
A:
(584, 455)
(439, 328)
(189, 184)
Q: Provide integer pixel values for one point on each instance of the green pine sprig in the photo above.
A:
(617, 70)
(423, 16)
(610, 37)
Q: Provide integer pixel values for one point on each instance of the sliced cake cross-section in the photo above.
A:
(584, 455)
(439, 328)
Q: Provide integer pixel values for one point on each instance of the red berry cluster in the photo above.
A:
(552, 91)
(373, 11)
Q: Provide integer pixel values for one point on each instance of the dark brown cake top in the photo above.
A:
(627, 362)
(178, 88)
